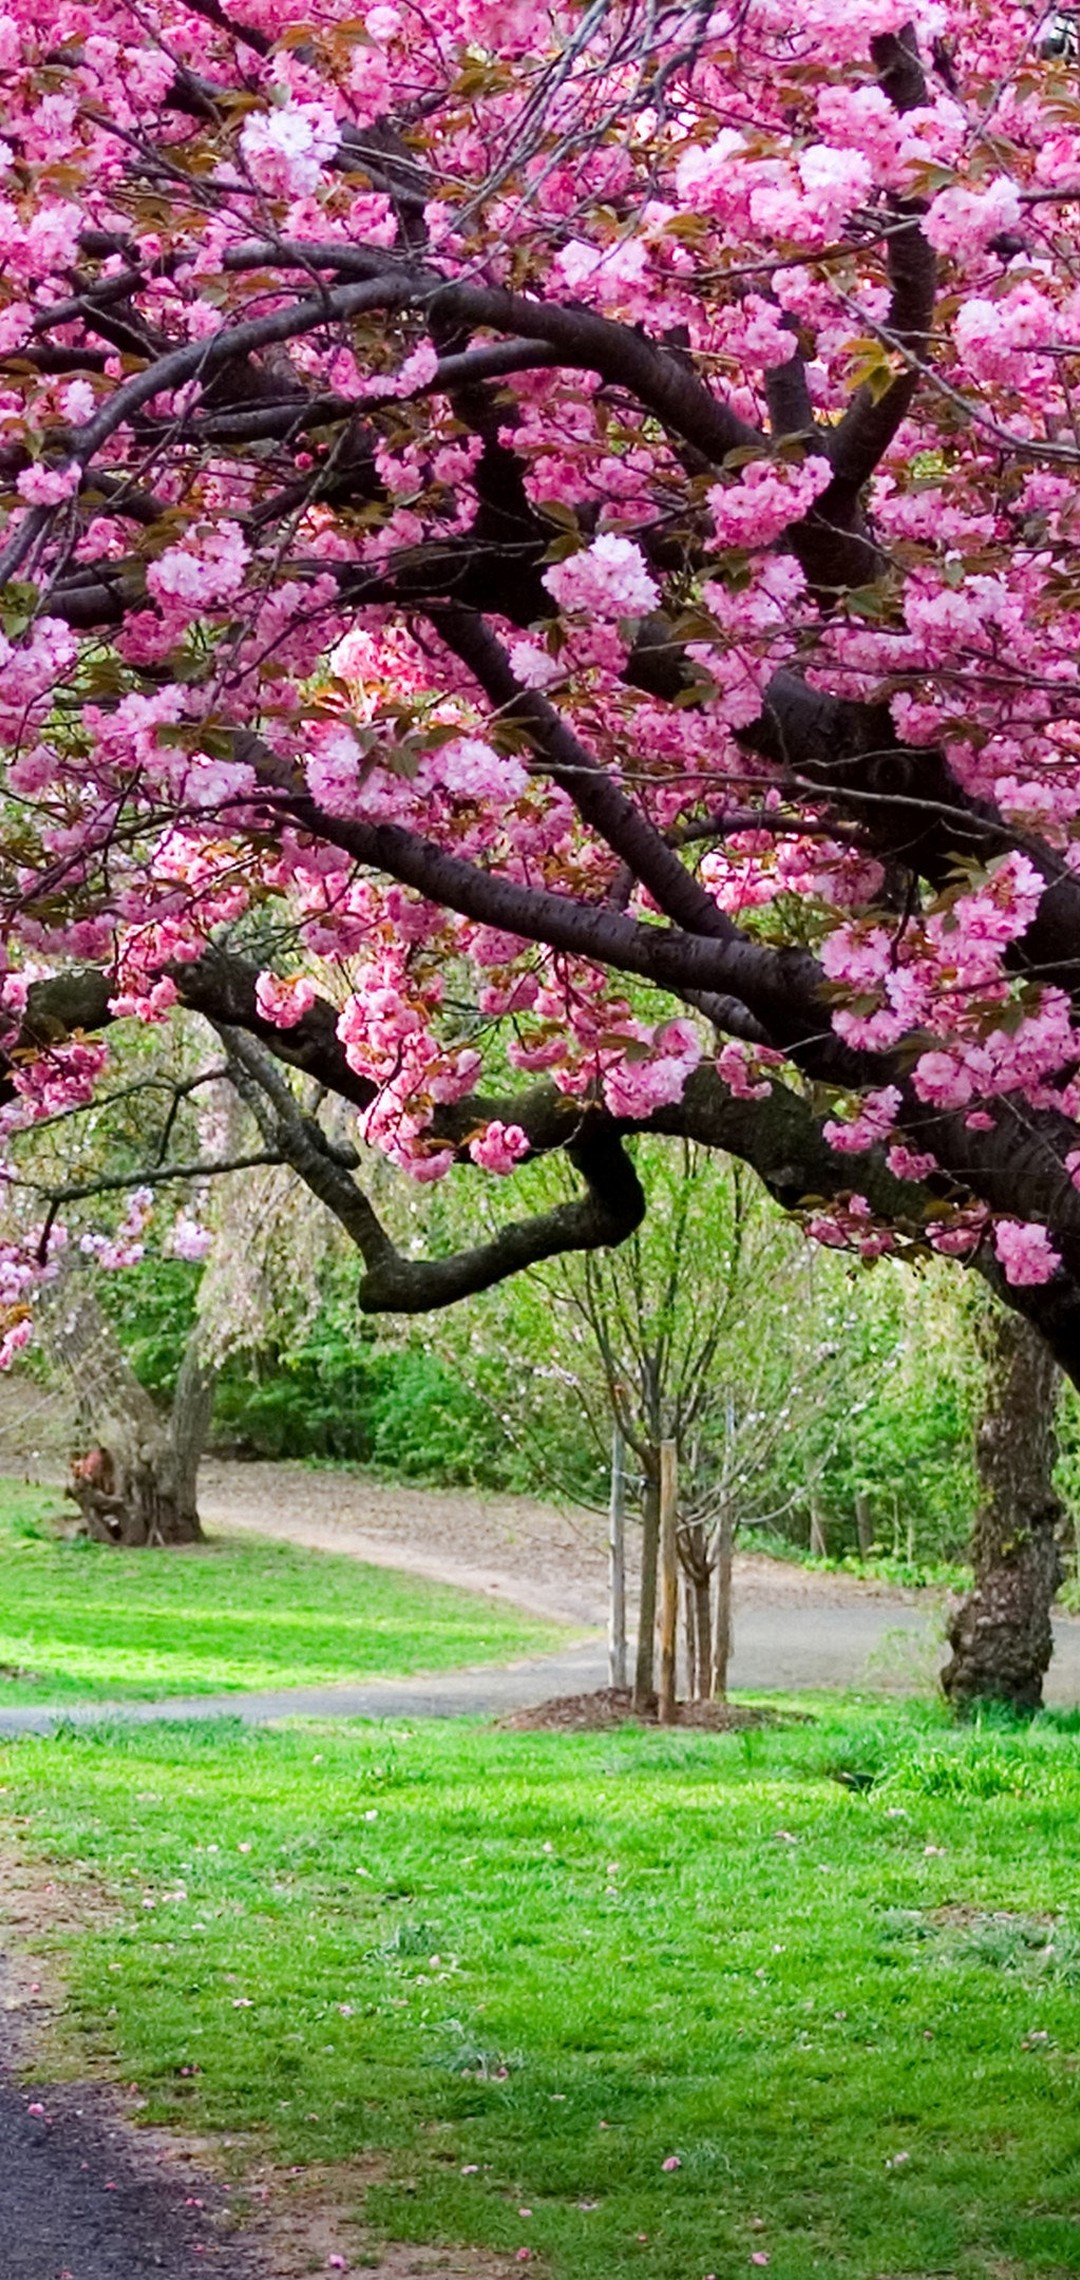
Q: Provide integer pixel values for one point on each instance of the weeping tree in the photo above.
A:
(252, 1241)
(1001, 1636)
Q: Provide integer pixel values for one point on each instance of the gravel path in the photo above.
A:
(794, 1628)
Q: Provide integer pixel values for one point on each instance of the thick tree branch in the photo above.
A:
(600, 802)
(779, 987)
(864, 434)
(664, 383)
(613, 1206)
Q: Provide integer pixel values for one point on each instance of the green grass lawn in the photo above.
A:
(654, 2006)
(79, 1621)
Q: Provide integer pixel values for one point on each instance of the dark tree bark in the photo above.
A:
(725, 1556)
(134, 1479)
(1001, 1636)
(697, 1575)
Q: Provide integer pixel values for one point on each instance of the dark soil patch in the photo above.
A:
(81, 2198)
(614, 1706)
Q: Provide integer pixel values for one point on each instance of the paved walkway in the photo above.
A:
(782, 1649)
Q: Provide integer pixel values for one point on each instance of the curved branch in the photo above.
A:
(584, 341)
(599, 801)
(612, 1207)
(864, 434)
(610, 1211)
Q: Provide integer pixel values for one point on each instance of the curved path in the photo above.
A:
(881, 1644)
(795, 1630)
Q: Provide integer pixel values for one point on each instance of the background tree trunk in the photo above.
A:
(188, 1430)
(1001, 1636)
(690, 1637)
(864, 1526)
(697, 1577)
(721, 1645)
(134, 1480)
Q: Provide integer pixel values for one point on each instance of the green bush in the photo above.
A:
(333, 1390)
(395, 1407)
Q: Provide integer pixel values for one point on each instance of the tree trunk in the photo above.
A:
(690, 1638)
(669, 1582)
(864, 1526)
(697, 1575)
(645, 1666)
(698, 1613)
(703, 1614)
(134, 1479)
(725, 1553)
(188, 1428)
(1001, 1636)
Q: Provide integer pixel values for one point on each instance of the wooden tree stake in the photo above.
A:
(669, 1581)
(617, 1563)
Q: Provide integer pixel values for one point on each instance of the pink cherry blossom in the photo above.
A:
(766, 500)
(1025, 1251)
(942, 1079)
(876, 1115)
(744, 1068)
(964, 221)
(608, 577)
(287, 148)
(189, 1240)
(207, 569)
(43, 486)
(284, 999)
(500, 1147)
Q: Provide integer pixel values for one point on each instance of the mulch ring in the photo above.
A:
(614, 1706)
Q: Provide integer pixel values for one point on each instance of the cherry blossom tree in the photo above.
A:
(538, 582)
